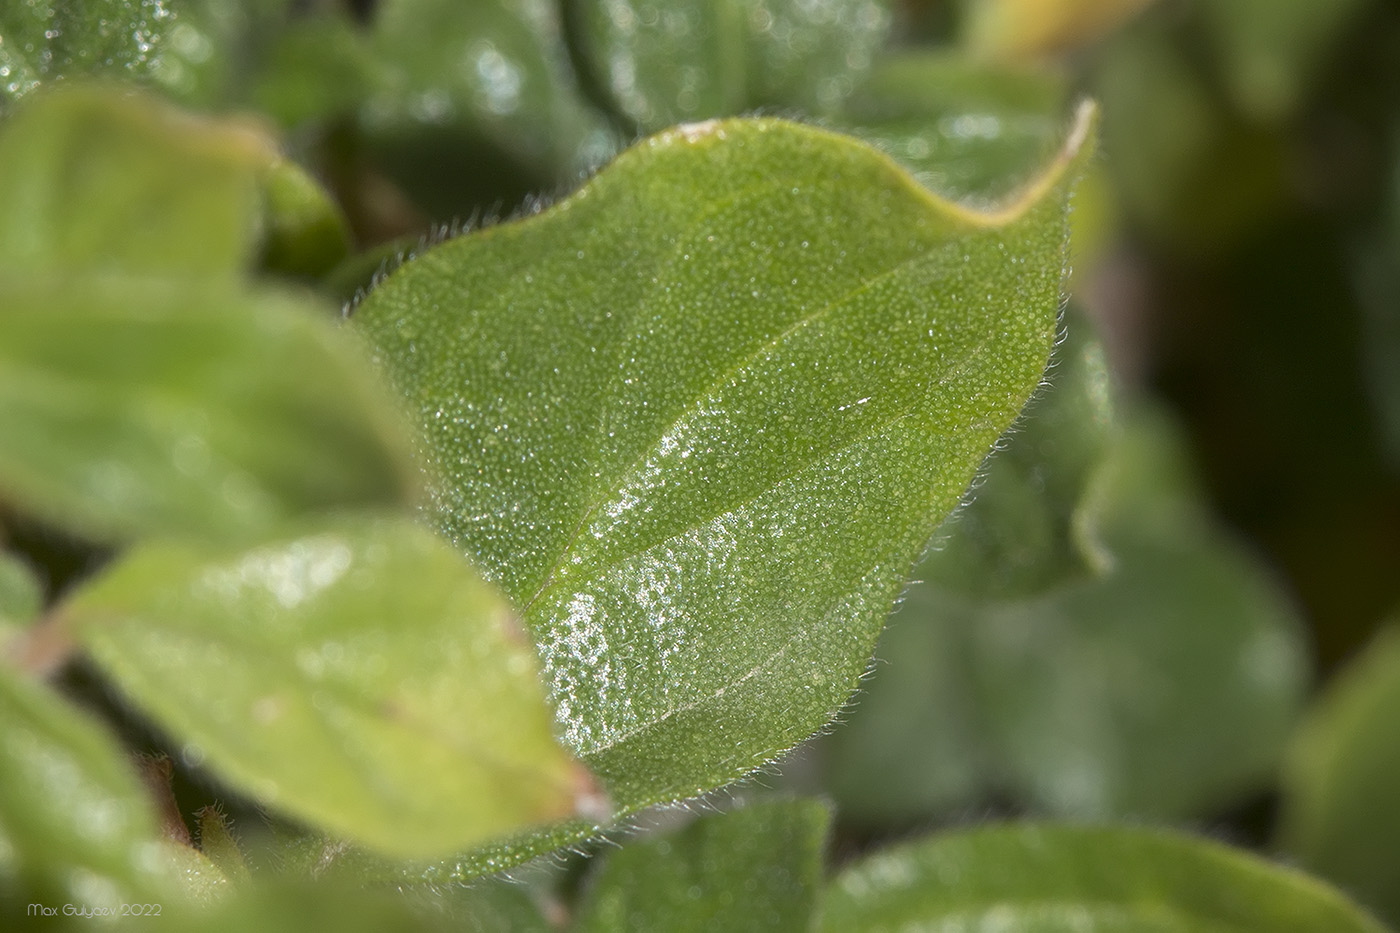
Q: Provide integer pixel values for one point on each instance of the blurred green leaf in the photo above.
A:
(21, 594)
(1061, 878)
(1272, 51)
(318, 67)
(181, 46)
(966, 130)
(75, 825)
(474, 101)
(1188, 169)
(1018, 30)
(700, 418)
(97, 179)
(677, 60)
(362, 678)
(132, 407)
(1341, 809)
(756, 868)
(306, 233)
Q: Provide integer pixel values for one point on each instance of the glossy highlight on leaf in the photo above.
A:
(1095, 880)
(699, 419)
(359, 676)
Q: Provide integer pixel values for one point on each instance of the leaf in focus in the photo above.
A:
(756, 868)
(74, 822)
(700, 418)
(1063, 878)
(1341, 812)
(1272, 51)
(1013, 30)
(677, 60)
(966, 130)
(103, 180)
(130, 408)
(361, 678)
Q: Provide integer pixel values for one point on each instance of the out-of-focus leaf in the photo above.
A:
(74, 824)
(1341, 811)
(362, 678)
(129, 408)
(966, 130)
(96, 179)
(677, 60)
(1083, 641)
(1272, 50)
(475, 100)
(757, 868)
(1188, 169)
(1167, 688)
(1015, 30)
(306, 233)
(700, 418)
(21, 595)
(1060, 878)
(317, 68)
(181, 46)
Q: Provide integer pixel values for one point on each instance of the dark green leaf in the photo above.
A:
(360, 677)
(757, 868)
(1341, 815)
(95, 179)
(700, 418)
(1058, 879)
(677, 60)
(130, 407)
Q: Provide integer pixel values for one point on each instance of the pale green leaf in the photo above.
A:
(1061, 879)
(96, 179)
(676, 60)
(360, 677)
(132, 407)
(965, 129)
(700, 418)
(756, 868)
(74, 822)
(21, 595)
(1341, 810)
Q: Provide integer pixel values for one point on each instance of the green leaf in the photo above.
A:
(757, 868)
(361, 678)
(965, 129)
(1084, 641)
(74, 823)
(1061, 878)
(678, 60)
(1341, 813)
(21, 595)
(307, 234)
(181, 46)
(700, 418)
(484, 84)
(130, 407)
(96, 179)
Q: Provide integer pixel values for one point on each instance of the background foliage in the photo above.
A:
(231, 640)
